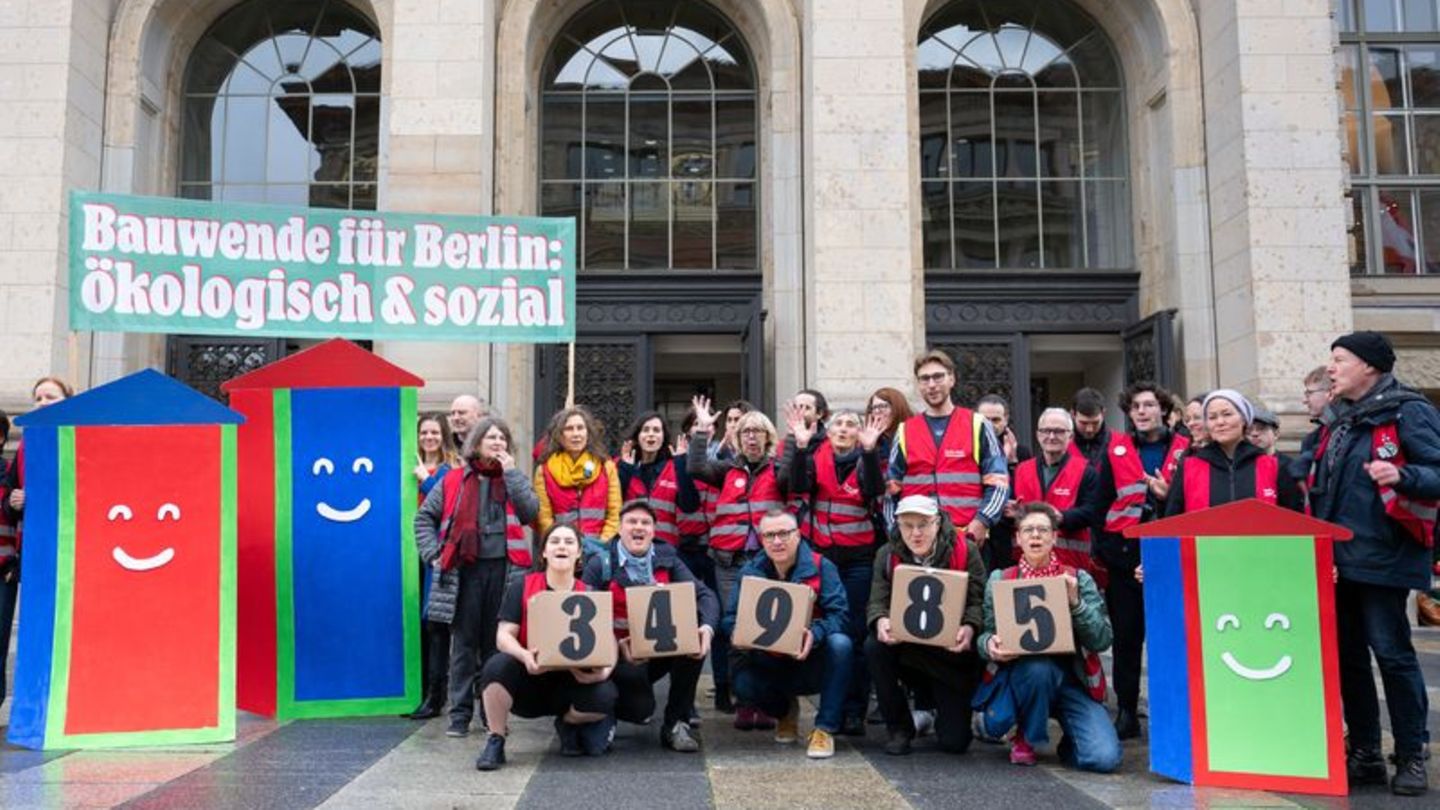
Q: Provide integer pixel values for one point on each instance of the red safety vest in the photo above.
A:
(1130, 486)
(799, 503)
(661, 498)
(8, 546)
(841, 515)
(949, 473)
(1415, 515)
(585, 507)
(617, 598)
(959, 558)
(697, 523)
(535, 583)
(1092, 670)
(1178, 445)
(740, 504)
(1197, 482)
(1072, 547)
(517, 545)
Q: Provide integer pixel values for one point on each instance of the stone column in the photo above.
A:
(1277, 214)
(863, 281)
(435, 153)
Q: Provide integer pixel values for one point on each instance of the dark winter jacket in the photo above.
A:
(831, 610)
(1233, 479)
(880, 581)
(1381, 553)
(603, 568)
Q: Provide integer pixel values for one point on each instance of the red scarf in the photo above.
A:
(462, 544)
(1051, 568)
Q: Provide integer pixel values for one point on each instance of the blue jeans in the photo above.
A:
(1045, 686)
(1373, 618)
(855, 576)
(769, 682)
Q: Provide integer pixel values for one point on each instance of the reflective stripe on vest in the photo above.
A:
(517, 539)
(841, 516)
(697, 523)
(949, 473)
(1130, 485)
(1197, 483)
(1072, 546)
(1415, 515)
(621, 610)
(661, 497)
(743, 499)
(585, 507)
(535, 583)
(1178, 445)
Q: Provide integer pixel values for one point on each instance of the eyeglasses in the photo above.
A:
(1035, 531)
(932, 378)
(751, 431)
(1310, 392)
(1053, 431)
(778, 536)
(914, 528)
(880, 406)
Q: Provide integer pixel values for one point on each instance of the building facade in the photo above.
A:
(777, 194)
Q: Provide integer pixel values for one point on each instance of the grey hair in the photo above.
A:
(1061, 412)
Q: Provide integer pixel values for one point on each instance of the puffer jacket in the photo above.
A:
(1233, 479)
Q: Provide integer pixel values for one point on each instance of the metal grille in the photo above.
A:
(982, 368)
(204, 363)
(605, 382)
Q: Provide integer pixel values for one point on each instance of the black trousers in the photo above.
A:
(1373, 619)
(636, 683)
(949, 679)
(1126, 601)
(434, 654)
(472, 634)
(549, 694)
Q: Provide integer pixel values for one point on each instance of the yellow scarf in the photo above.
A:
(576, 472)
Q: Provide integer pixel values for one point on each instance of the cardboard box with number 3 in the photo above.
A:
(772, 615)
(926, 604)
(571, 630)
(1032, 616)
(663, 620)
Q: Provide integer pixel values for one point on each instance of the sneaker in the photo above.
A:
(853, 726)
(492, 756)
(458, 728)
(1410, 777)
(744, 718)
(1365, 766)
(924, 721)
(596, 738)
(1020, 752)
(787, 732)
(898, 745)
(679, 738)
(763, 721)
(695, 719)
(569, 738)
(822, 745)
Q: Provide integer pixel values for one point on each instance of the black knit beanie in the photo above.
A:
(1372, 347)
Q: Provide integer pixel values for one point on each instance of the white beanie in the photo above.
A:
(1247, 411)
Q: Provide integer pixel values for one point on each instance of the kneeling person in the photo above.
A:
(1070, 687)
(922, 536)
(513, 682)
(773, 682)
(637, 560)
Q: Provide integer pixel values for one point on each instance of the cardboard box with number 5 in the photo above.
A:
(663, 620)
(772, 615)
(1032, 616)
(571, 630)
(926, 604)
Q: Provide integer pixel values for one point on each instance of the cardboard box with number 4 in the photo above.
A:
(1032, 616)
(662, 620)
(573, 630)
(926, 604)
(772, 615)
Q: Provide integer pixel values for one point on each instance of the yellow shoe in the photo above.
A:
(787, 731)
(822, 745)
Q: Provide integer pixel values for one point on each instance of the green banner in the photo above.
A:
(158, 264)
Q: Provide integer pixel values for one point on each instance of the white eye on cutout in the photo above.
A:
(120, 510)
(1228, 619)
(1277, 618)
(322, 464)
(168, 509)
(362, 462)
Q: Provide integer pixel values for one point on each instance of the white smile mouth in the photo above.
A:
(343, 516)
(1281, 667)
(142, 563)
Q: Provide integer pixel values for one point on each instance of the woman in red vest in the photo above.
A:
(746, 488)
(580, 700)
(1228, 467)
(843, 482)
(435, 458)
(647, 472)
(576, 480)
(471, 528)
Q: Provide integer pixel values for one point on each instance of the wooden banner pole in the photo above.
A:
(570, 378)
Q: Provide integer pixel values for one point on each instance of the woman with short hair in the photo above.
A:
(1228, 467)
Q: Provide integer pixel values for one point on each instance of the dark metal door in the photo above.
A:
(203, 362)
(612, 379)
(993, 364)
(1150, 350)
(752, 365)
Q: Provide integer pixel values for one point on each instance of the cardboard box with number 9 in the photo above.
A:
(772, 615)
(926, 604)
(571, 630)
(662, 620)
(1032, 616)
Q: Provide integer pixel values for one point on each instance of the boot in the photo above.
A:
(432, 705)
(1410, 777)
(1365, 766)
(1127, 725)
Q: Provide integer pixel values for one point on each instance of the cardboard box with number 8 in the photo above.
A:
(571, 630)
(1032, 616)
(662, 620)
(926, 604)
(772, 615)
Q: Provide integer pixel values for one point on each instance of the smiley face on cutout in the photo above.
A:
(1231, 622)
(360, 465)
(122, 513)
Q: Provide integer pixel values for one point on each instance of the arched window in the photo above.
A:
(648, 124)
(282, 105)
(1022, 139)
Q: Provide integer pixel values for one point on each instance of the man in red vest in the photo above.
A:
(1065, 481)
(1377, 473)
(949, 453)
